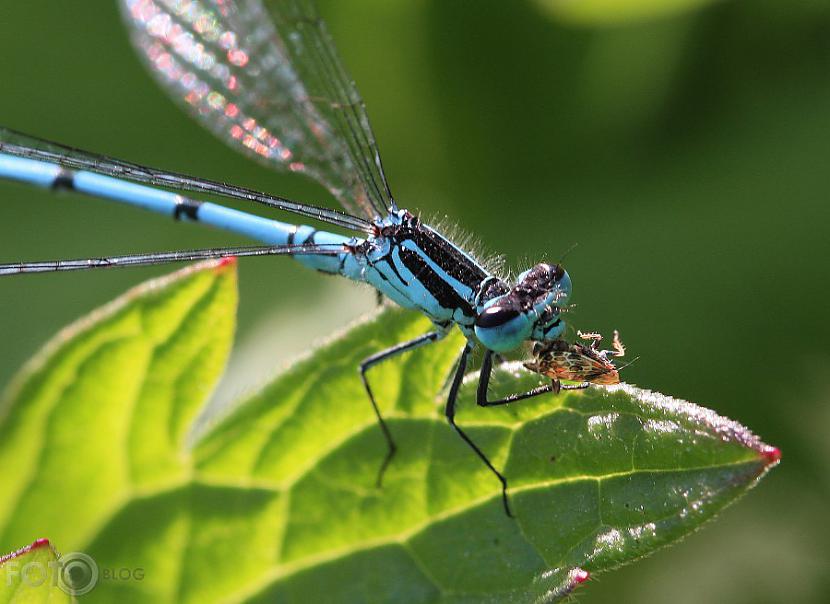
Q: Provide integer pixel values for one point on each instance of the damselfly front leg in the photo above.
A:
(484, 384)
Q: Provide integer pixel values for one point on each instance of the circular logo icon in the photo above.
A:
(78, 573)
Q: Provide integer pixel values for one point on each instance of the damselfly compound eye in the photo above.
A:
(496, 316)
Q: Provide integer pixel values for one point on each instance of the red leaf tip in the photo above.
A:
(772, 455)
(25, 550)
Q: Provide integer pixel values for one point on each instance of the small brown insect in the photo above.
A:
(560, 360)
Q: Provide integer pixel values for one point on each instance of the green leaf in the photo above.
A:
(612, 12)
(100, 415)
(277, 501)
(31, 575)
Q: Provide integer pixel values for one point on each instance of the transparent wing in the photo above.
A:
(265, 77)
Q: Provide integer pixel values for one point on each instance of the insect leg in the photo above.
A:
(373, 360)
(619, 347)
(617, 350)
(450, 413)
(484, 382)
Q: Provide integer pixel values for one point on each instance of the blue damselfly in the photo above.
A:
(265, 78)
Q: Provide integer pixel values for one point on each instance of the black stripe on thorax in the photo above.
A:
(391, 264)
(446, 255)
(443, 292)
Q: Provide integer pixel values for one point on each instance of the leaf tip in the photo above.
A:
(772, 455)
(36, 544)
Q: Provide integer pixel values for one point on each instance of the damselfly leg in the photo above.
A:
(449, 411)
(385, 355)
(484, 384)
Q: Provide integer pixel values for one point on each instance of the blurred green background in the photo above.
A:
(686, 154)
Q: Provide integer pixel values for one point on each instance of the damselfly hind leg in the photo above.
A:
(450, 413)
(385, 355)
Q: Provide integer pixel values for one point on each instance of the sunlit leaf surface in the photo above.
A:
(29, 575)
(277, 502)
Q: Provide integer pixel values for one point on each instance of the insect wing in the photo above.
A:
(266, 79)
(575, 364)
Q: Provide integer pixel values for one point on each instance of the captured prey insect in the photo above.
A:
(570, 362)
(265, 77)
(577, 362)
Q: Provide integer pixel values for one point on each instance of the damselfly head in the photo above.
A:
(549, 280)
(528, 311)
